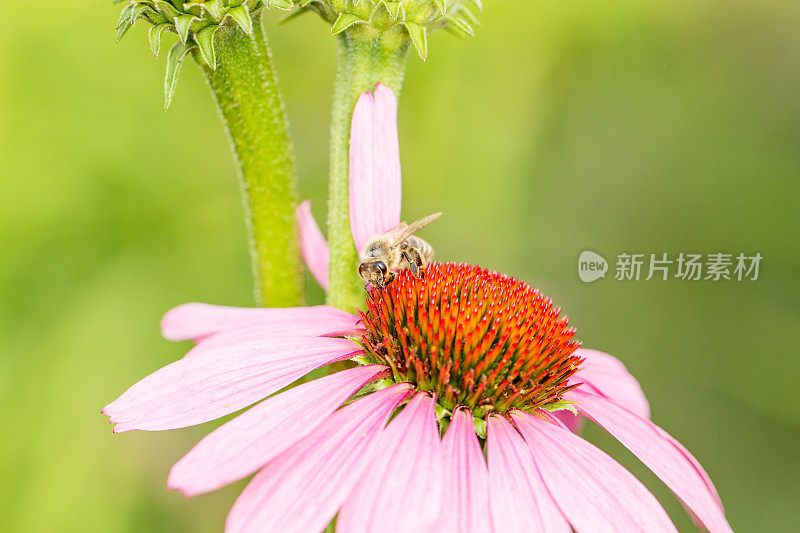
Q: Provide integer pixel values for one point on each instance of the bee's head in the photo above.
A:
(373, 272)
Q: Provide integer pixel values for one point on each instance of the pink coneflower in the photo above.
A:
(448, 423)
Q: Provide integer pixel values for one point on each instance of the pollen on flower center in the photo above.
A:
(477, 338)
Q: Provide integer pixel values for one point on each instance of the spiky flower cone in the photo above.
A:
(476, 338)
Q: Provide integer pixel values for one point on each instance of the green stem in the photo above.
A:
(246, 92)
(360, 66)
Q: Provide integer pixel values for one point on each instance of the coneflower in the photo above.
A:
(448, 420)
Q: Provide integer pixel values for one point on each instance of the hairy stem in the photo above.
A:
(360, 66)
(246, 92)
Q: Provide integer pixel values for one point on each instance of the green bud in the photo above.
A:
(195, 24)
(396, 22)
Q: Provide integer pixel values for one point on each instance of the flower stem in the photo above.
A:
(361, 65)
(250, 105)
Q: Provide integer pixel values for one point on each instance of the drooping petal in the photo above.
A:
(246, 443)
(665, 456)
(313, 245)
(301, 489)
(195, 321)
(519, 501)
(466, 500)
(605, 375)
(402, 489)
(219, 381)
(375, 182)
(595, 493)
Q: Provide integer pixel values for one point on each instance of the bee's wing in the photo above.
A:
(390, 234)
(395, 230)
(414, 227)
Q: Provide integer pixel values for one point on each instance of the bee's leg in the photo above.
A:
(387, 279)
(413, 259)
(419, 262)
(412, 266)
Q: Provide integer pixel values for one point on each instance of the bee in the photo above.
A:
(387, 253)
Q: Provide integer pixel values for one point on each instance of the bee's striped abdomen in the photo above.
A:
(425, 250)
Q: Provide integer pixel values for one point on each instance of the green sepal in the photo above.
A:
(468, 16)
(381, 17)
(441, 412)
(562, 405)
(381, 384)
(419, 39)
(285, 5)
(182, 25)
(124, 15)
(212, 7)
(369, 388)
(242, 17)
(392, 7)
(205, 42)
(154, 36)
(344, 21)
(294, 14)
(167, 9)
(479, 424)
(362, 360)
(460, 26)
(138, 11)
(174, 62)
(123, 29)
(156, 18)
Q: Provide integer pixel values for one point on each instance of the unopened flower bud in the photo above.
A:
(196, 23)
(396, 21)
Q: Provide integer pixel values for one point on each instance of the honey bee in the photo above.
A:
(397, 249)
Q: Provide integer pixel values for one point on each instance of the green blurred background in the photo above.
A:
(622, 126)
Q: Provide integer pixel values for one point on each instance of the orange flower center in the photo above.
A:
(474, 337)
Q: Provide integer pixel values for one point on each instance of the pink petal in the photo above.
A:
(606, 375)
(351, 332)
(594, 491)
(219, 381)
(665, 456)
(404, 480)
(518, 497)
(466, 500)
(268, 334)
(312, 244)
(246, 443)
(375, 183)
(573, 422)
(196, 321)
(301, 489)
